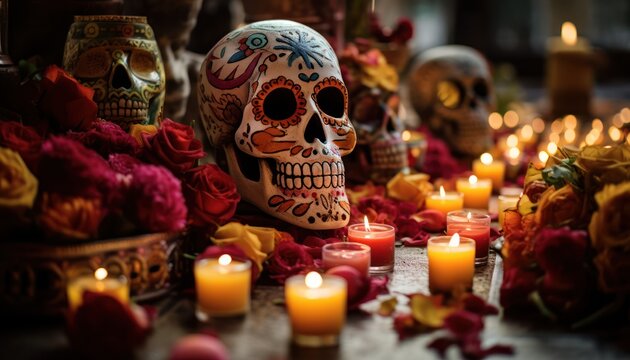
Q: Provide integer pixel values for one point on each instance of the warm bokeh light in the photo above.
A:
(313, 280)
(570, 122)
(552, 147)
(568, 33)
(628, 139)
(569, 135)
(598, 124)
(495, 120)
(614, 133)
(511, 141)
(591, 137)
(582, 144)
(543, 156)
(100, 274)
(617, 121)
(556, 126)
(454, 242)
(527, 132)
(406, 135)
(554, 137)
(225, 260)
(538, 125)
(472, 179)
(486, 158)
(511, 119)
(625, 115)
(514, 153)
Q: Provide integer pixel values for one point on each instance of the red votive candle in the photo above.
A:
(473, 225)
(381, 240)
(347, 253)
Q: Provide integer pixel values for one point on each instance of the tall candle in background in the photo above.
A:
(569, 73)
(451, 263)
(99, 282)
(476, 192)
(445, 201)
(316, 307)
(223, 287)
(486, 168)
(381, 239)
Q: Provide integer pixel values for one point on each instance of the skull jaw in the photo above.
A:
(326, 208)
(466, 132)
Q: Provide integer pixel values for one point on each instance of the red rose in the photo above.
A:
(560, 252)
(66, 101)
(22, 139)
(157, 203)
(315, 244)
(516, 287)
(106, 138)
(211, 195)
(535, 189)
(173, 146)
(287, 259)
(464, 324)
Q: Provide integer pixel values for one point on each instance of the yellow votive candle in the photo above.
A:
(486, 168)
(445, 201)
(451, 262)
(223, 287)
(476, 192)
(317, 308)
(99, 282)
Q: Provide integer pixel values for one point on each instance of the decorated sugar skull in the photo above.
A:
(451, 89)
(118, 57)
(272, 99)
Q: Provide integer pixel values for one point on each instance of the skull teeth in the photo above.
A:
(307, 176)
(122, 107)
(390, 156)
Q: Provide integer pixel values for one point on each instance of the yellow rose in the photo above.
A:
(67, 217)
(359, 192)
(256, 242)
(562, 207)
(413, 188)
(18, 187)
(379, 75)
(605, 164)
(609, 225)
(136, 130)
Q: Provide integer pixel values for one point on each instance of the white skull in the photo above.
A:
(451, 89)
(271, 96)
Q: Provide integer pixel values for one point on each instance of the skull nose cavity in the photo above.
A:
(314, 130)
(120, 78)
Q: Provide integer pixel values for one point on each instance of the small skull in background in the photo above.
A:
(272, 100)
(451, 89)
(380, 153)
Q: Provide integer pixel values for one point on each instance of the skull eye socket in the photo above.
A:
(143, 65)
(279, 104)
(480, 88)
(449, 94)
(331, 97)
(94, 63)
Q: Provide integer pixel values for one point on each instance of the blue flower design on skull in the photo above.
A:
(302, 46)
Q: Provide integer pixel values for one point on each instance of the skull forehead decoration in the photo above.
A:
(118, 57)
(451, 89)
(271, 96)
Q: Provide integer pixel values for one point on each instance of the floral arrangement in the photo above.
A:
(400, 34)
(79, 178)
(567, 245)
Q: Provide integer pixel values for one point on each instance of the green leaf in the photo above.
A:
(562, 173)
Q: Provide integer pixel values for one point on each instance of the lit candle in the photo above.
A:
(473, 225)
(476, 192)
(98, 282)
(506, 202)
(569, 72)
(223, 287)
(316, 307)
(451, 263)
(380, 238)
(445, 201)
(353, 254)
(486, 168)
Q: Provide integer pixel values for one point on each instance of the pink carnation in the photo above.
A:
(106, 138)
(157, 203)
(123, 163)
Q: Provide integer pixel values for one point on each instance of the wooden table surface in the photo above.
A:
(265, 332)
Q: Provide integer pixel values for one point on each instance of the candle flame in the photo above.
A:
(543, 156)
(472, 179)
(100, 274)
(442, 192)
(366, 223)
(454, 240)
(568, 33)
(514, 153)
(552, 148)
(469, 216)
(225, 260)
(486, 158)
(313, 280)
(406, 135)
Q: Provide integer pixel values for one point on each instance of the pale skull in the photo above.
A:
(451, 89)
(271, 97)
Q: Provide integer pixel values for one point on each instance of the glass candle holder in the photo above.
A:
(316, 307)
(506, 202)
(450, 266)
(381, 239)
(445, 201)
(474, 225)
(353, 254)
(476, 192)
(100, 282)
(223, 287)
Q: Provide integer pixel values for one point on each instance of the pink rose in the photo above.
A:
(106, 138)
(155, 198)
(287, 259)
(211, 195)
(173, 146)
